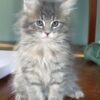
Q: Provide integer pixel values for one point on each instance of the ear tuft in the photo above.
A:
(67, 6)
(29, 5)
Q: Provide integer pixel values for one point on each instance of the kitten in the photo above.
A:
(45, 63)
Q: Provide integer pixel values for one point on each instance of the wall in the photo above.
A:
(98, 22)
(81, 22)
(8, 9)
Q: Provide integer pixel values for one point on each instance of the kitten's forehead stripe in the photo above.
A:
(48, 9)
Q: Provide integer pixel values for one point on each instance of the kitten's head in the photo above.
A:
(46, 19)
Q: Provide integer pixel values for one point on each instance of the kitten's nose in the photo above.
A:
(47, 33)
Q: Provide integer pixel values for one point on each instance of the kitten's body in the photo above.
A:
(45, 62)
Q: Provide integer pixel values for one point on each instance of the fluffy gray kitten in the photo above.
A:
(45, 63)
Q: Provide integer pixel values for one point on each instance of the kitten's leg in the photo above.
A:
(35, 93)
(20, 93)
(73, 90)
(20, 90)
(27, 91)
(20, 86)
(19, 96)
(55, 93)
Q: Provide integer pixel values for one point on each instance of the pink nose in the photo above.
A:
(47, 33)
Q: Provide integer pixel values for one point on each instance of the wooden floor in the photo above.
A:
(88, 72)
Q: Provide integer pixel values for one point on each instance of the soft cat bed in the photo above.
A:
(92, 52)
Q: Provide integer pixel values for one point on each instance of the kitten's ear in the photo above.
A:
(67, 6)
(29, 5)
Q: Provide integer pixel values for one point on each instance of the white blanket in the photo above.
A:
(7, 62)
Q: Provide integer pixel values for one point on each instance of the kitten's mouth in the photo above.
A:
(46, 37)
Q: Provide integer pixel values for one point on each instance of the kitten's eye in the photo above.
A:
(55, 24)
(39, 23)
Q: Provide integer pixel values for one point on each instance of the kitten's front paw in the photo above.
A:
(56, 98)
(20, 97)
(78, 94)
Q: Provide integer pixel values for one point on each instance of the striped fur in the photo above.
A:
(44, 67)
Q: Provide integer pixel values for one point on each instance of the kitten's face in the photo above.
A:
(46, 22)
(45, 28)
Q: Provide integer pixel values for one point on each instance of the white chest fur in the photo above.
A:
(43, 60)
